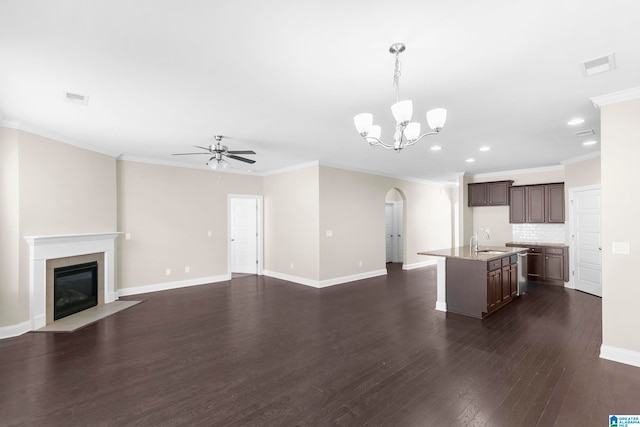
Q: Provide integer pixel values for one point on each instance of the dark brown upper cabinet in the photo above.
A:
(555, 207)
(489, 193)
(537, 204)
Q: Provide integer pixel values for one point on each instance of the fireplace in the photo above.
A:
(47, 253)
(75, 288)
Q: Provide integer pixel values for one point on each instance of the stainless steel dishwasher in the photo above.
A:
(522, 272)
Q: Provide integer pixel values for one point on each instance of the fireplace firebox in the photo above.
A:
(75, 288)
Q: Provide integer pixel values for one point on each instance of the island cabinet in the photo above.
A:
(502, 282)
(478, 288)
(494, 193)
(537, 204)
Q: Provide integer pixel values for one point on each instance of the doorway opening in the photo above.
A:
(394, 228)
(245, 234)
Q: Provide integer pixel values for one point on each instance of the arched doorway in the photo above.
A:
(394, 227)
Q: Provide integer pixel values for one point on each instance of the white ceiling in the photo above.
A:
(286, 77)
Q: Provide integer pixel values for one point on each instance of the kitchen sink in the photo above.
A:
(491, 252)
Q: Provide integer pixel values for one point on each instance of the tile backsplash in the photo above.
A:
(546, 233)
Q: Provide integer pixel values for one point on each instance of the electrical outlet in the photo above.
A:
(187, 269)
(127, 236)
(209, 233)
(292, 266)
(329, 233)
(167, 271)
(360, 264)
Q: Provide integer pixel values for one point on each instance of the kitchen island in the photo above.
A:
(476, 283)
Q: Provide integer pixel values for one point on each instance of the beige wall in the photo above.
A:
(352, 208)
(620, 124)
(168, 212)
(50, 176)
(582, 174)
(10, 293)
(291, 223)
(496, 218)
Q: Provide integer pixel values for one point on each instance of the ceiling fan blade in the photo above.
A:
(204, 148)
(241, 152)
(186, 154)
(242, 159)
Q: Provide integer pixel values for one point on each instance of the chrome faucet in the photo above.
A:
(474, 239)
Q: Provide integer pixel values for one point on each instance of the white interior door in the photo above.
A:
(399, 221)
(393, 231)
(388, 215)
(244, 235)
(587, 244)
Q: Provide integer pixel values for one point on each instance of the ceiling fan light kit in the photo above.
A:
(218, 152)
(407, 132)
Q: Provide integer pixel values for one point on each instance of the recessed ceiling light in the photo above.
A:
(485, 148)
(470, 160)
(575, 122)
(591, 142)
(436, 148)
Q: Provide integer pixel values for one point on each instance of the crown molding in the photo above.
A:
(615, 97)
(592, 155)
(291, 168)
(168, 163)
(519, 171)
(400, 177)
(50, 135)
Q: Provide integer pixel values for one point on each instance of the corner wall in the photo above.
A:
(49, 176)
(11, 298)
(620, 125)
(168, 212)
(291, 225)
(352, 208)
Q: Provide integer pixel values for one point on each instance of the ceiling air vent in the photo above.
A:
(76, 98)
(587, 132)
(598, 65)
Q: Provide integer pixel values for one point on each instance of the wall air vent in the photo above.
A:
(76, 98)
(598, 65)
(587, 132)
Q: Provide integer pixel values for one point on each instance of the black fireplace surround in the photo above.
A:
(75, 288)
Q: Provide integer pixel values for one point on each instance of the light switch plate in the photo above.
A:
(621, 248)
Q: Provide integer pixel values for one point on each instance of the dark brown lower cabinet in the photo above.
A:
(547, 264)
(502, 282)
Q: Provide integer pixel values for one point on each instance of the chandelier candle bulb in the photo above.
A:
(436, 118)
(402, 111)
(412, 132)
(363, 123)
(405, 133)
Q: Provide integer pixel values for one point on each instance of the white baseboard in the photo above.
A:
(419, 264)
(441, 306)
(15, 330)
(352, 278)
(325, 283)
(136, 290)
(620, 355)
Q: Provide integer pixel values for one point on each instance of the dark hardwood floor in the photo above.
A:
(261, 351)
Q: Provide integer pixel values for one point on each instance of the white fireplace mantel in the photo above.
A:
(43, 248)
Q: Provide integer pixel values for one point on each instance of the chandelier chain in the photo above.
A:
(396, 76)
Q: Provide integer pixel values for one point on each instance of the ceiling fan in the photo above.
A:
(218, 151)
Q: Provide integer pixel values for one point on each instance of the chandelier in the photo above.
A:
(407, 132)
